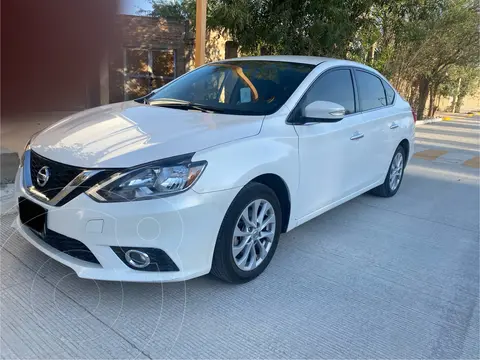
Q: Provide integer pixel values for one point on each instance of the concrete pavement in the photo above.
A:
(373, 278)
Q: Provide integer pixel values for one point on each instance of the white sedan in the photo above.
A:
(204, 174)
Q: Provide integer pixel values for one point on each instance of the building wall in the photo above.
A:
(140, 35)
(470, 103)
(148, 34)
(215, 48)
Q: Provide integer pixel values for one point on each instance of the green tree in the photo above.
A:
(443, 35)
(415, 43)
(314, 27)
(179, 10)
(469, 84)
(452, 41)
(461, 82)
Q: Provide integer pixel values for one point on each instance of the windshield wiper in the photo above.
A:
(179, 104)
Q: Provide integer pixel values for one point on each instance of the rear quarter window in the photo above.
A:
(371, 92)
(390, 93)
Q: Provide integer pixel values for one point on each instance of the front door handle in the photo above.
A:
(357, 136)
(394, 125)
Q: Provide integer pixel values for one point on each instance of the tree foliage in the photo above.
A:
(417, 44)
(460, 82)
(313, 27)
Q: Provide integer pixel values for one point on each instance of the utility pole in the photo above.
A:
(200, 32)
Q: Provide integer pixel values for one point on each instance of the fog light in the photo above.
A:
(137, 259)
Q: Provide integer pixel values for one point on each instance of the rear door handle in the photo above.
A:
(394, 125)
(357, 136)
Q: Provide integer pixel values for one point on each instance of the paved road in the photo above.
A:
(374, 278)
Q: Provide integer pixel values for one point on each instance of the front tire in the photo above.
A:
(249, 234)
(394, 177)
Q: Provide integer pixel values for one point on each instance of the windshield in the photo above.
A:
(237, 87)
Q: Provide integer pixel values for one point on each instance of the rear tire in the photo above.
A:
(238, 255)
(394, 177)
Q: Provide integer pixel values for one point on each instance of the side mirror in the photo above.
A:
(323, 111)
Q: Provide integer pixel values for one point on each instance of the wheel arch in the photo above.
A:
(280, 188)
(406, 147)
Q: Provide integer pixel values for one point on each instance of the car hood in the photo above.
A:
(129, 134)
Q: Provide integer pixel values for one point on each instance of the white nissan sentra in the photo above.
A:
(204, 174)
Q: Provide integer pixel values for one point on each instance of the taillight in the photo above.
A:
(414, 116)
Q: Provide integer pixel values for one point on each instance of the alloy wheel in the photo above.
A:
(396, 171)
(253, 235)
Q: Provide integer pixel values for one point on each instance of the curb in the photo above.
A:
(428, 121)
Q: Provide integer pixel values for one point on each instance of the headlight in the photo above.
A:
(147, 182)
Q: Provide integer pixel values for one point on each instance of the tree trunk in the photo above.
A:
(459, 101)
(456, 97)
(452, 105)
(433, 96)
(423, 95)
(458, 104)
(371, 54)
(437, 104)
(432, 103)
(413, 92)
(265, 50)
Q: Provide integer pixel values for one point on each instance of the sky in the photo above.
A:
(132, 6)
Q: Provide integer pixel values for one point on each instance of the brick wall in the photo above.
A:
(215, 48)
(151, 32)
(141, 32)
(146, 33)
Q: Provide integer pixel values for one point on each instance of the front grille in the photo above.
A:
(69, 246)
(60, 174)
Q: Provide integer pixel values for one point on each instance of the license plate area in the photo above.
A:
(33, 215)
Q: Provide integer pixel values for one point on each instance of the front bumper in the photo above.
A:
(184, 226)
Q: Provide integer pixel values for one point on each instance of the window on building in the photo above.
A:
(163, 63)
(136, 62)
(146, 70)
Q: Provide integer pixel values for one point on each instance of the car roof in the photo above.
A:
(312, 60)
(300, 59)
